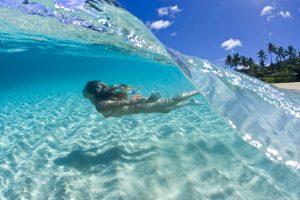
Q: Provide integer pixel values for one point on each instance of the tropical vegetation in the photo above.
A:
(284, 64)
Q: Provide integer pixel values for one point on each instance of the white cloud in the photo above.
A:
(175, 9)
(267, 11)
(173, 34)
(285, 14)
(270, 17)
(160, 24)
(231, 43)
(163, 11)
(168, 11)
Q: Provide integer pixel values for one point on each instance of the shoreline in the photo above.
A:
(288, 86)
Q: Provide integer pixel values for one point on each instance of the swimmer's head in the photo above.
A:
(93, 88)
(100, 91)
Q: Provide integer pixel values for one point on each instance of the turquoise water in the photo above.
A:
(242, 142)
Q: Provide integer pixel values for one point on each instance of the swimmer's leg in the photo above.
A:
(186, 95)
(159, 106)
(177, 99)
(163, 105)
(191, 102)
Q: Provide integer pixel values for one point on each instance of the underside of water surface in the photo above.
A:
(240, 142)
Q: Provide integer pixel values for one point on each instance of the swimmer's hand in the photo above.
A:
(153, 97)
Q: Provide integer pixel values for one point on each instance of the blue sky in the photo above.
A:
(199, 28)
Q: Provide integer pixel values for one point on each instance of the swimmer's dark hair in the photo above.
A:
(104, 92)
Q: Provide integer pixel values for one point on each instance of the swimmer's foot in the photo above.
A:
(194, 93)
(194, 102)
(190, 102)
(186, 95)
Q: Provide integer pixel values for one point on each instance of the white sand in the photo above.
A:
(290, 86)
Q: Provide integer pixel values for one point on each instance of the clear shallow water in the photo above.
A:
(54, 145)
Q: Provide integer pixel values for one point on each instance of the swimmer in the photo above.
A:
(113, 100)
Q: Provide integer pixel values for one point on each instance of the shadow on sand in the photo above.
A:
(84, 160)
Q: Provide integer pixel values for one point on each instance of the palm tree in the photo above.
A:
(280, 54)
(253, 67)
(251, 62)
(291, 52)
(244, 61)
(236, 60)
(228, 61)
(271, 48)
(262, 57)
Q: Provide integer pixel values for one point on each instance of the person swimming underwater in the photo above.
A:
(113, 100)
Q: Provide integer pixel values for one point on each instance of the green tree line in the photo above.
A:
(284, 65)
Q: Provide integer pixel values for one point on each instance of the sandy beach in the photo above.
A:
(289, 86)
